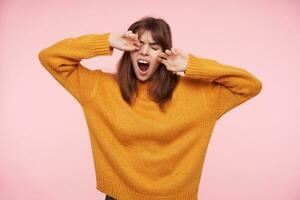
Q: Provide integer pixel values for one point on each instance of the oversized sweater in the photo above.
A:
(140, 152)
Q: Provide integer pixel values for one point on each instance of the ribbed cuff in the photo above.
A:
(201, 68)
(97, 44)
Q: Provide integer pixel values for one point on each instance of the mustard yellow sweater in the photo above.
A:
(141, 153)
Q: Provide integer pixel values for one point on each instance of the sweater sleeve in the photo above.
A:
(62, 61)
(229, 86)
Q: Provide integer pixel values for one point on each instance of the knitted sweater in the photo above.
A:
(140, 152)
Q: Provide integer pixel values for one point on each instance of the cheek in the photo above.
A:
(156, 63)
(156, 56)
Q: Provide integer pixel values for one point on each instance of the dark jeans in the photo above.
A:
(107, 197)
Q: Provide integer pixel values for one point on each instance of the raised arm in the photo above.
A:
(62, 61)
(230, 86)
(227, 86)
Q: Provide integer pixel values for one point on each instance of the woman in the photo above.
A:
(150, 122)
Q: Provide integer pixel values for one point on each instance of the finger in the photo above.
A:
(137, 39)
(163, 61)
(173, 51)
(168, 51)
(163, 55)
(131, 48)
(167, 64)
(137, 36)
(137, 44)
(132, 35)
(126, 34)
(129, 34)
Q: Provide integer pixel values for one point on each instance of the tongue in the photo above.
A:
(143, 66)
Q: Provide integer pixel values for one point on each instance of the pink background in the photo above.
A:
(254, 152)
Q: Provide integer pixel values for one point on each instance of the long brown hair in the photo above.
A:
(163, 82)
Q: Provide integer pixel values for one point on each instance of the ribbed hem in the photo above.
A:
(201, 68)
(122, 192)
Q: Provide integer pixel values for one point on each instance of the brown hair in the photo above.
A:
(158, 92)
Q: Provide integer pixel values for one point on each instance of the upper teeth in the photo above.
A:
(143, 61)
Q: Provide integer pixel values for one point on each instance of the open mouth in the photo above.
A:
(143, 66)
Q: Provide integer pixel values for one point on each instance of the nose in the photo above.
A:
(144, 50)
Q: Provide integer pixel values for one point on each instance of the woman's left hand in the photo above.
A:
(175, 60)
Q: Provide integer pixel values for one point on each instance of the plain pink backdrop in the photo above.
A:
(254, 152)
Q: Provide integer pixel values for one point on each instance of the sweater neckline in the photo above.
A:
(143, 91)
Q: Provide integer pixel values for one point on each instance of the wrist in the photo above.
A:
(109, 40)
(186, 55)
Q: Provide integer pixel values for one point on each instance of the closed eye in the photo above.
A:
(150, 44)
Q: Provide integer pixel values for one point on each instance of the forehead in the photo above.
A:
(146, 36)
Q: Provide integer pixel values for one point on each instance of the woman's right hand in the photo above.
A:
(125, 41)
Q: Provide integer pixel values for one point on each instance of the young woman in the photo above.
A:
(151, 121)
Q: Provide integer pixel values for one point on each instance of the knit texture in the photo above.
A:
(140, 152)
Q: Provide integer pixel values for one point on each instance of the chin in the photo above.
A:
(143, 78)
